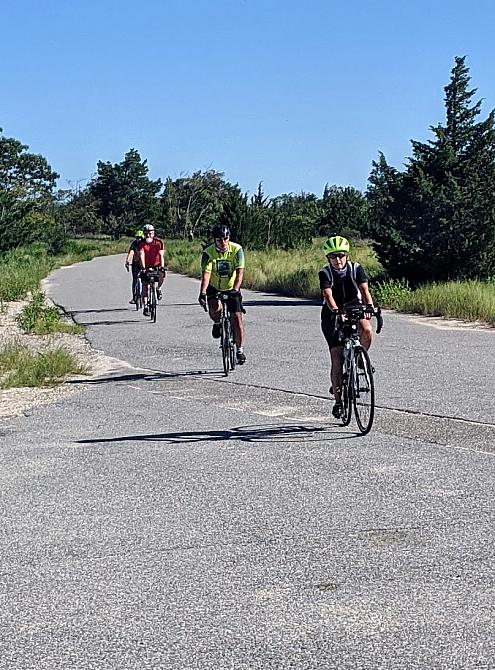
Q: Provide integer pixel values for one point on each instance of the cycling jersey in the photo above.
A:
(345, 284)
(151, 252)
(135, 248)
(222, 267)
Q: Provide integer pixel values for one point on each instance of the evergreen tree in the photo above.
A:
(436, 219)
(344, 211)
(126, 196)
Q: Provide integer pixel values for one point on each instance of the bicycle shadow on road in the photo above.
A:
(75, 312)
(251, 434)
(148, 376)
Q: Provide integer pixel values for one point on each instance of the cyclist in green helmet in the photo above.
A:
(132, 259)
(343, 283)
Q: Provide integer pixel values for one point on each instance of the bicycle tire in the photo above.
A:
(364, 393)
(138, 298)
(231, 345)
(152, 301)
(225, 346)
(346, 396)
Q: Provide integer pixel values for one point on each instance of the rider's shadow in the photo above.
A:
(251, 434)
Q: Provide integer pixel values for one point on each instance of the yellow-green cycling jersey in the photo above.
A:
(222, 266)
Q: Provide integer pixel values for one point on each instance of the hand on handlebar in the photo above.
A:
(369, 311)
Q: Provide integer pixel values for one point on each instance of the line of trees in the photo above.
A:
(433, 220)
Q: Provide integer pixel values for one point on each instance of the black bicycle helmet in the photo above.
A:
(221, 231)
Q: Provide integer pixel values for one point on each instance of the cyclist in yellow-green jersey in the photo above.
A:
(222, 270)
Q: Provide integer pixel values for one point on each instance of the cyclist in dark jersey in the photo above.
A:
(132, 260)
(343, 284)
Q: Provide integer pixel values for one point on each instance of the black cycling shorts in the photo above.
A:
(329, 327)
(234, 303)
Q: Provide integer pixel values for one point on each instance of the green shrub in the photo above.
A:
(38, 319)
(392, 294)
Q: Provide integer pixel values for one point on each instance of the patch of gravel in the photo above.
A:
(17, 401)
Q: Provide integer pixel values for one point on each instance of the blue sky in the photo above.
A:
(294, 94)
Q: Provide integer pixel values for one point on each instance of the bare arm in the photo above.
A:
(205, 280)
(328, 296)
(141, 259)
(365, 293)
(239, 276)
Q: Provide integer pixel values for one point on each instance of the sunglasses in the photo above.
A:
(337, 255)
(221, 239)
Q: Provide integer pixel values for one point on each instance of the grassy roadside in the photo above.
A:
(22, 367)
(295, 273)
(21, 271)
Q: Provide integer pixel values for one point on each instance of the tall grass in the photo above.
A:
(20, 367)
(468, 300)
(290, 272)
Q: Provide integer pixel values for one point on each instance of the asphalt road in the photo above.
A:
(166, 517)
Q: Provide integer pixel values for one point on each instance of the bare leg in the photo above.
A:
(215, 310)
(238, 329)
(365, 333)
(336, 371)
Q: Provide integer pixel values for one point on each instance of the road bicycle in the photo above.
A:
(358, 387)
(227, 336)
(151, 278)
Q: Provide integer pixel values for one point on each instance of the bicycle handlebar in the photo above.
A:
(354, 314)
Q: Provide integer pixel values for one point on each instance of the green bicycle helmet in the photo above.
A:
(138, 233)
(336, 245)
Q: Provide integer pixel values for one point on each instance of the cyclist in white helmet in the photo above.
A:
(151, 256)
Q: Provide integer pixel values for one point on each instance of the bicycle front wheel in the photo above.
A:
(346, 398)
(231, 346)
(364, 391)
(153, 303)
(225, 346)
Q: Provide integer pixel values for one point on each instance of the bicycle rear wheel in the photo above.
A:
(364, 392)
(225, 345)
